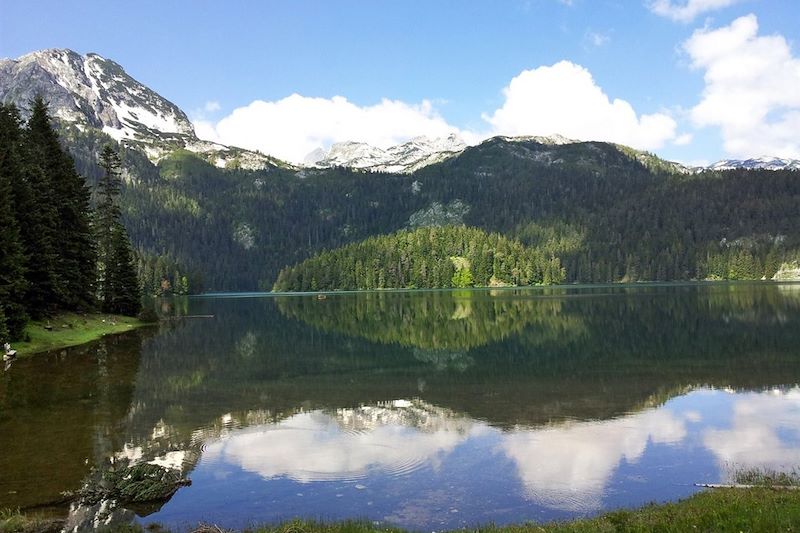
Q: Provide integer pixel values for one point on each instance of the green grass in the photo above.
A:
(71, 329)
(16, 522)
(717, 510)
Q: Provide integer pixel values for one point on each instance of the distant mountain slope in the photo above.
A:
(93, 92)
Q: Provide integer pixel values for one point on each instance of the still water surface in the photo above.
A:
(427, 410)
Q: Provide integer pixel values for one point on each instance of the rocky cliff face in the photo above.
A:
(94, 92)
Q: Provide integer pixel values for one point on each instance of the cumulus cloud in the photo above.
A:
(292, 127)
(751, 88)
(686, 11)
(564, 99)
(559, 99)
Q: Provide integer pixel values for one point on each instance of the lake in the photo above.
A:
(428, 410)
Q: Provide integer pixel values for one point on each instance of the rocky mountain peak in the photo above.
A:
(403, 158)
(95, 92)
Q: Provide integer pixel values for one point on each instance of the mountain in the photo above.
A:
(759, 163)
(94, 92)
(231, 219)
(403, 158)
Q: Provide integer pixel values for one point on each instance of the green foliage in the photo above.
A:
(163, 276)
(608, 213)
(73, 242)
(48, 252)
(118, 285)
(13, 284)
(434, 257)
(462, 277)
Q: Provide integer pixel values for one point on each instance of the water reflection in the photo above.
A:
(434, 320)
(763, 433)
(569, 467)
(396, 438)
(516, 404)
(565, 469)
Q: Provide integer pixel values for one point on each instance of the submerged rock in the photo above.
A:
(139, 483)
(112, 498)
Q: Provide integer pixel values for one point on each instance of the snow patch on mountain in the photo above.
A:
(402, 158)
(541, 139)
(92, 91)
(757, 163)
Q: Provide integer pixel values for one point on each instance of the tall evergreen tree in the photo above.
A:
(12, 258)
(73, 244)
(117, 282)
(35, 215)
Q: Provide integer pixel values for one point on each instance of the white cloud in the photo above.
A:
(211, 106)
(292, 127)
(686, 11)
(752, 88)
(559, 99)
(564, 99)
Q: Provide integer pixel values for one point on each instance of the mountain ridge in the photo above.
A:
(92, 91)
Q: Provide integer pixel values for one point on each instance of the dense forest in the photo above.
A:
(57, 253)
(607, 212)
(429, 257)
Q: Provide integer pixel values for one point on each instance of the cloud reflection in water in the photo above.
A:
(566, 467)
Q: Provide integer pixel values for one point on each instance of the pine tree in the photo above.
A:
(12, 258)
(73, 244)
(126, 297)
(118, 286)
(35, 215)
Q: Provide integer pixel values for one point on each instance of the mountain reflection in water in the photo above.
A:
(423, 409)
(569, 468)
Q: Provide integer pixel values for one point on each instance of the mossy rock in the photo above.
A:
(135, 484)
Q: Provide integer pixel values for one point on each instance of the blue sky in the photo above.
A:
(427, 67)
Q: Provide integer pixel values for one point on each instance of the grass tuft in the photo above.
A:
(767, 477)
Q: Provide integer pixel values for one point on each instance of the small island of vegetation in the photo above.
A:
(429, 257)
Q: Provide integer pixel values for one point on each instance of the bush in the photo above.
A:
(148, 315)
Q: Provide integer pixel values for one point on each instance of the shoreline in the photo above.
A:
(65, 330)
(761, 508)
(568, 286)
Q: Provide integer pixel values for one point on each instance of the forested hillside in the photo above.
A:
(205, 216)
(433, 257)
(608, 213)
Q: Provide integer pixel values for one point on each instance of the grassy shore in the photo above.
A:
(70, 329)
(718, 510)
